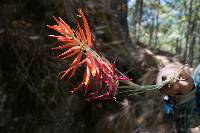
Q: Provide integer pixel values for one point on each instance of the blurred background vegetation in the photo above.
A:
(170, 25)
(144, 35)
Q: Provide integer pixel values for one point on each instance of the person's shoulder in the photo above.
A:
(196, 74)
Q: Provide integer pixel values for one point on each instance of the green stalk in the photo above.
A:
(135, 88)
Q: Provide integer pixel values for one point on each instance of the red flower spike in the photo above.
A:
(99, 72)
(87, 29)
(70, 55)
(91, 63)
(63, 39)
(86, 79)
(103, 67)
(70, 51)
(56, 28)
(76, 65)
(78, 35)
(70, 68)
(73, 65)
(81, 32)
(61, 47)
(122, 78)
(88, 63)
(64, 27)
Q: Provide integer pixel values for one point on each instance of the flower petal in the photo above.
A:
(68, 52)
(67, 27)
(91, 61)
(87, 29)
(62, 38)
(76, 64)
(61, 47)
(86, 78)
(81, 32)
(73, 65)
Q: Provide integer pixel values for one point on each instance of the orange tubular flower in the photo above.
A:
(98, 71)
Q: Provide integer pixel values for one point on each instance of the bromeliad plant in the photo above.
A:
(101, 78)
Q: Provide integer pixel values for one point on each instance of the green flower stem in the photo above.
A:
(135, 88)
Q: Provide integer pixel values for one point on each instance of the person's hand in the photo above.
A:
(182, 86)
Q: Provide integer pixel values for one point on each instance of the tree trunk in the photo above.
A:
(141, 11)
(140, 19)
(151, 31)
(136, 19)
(188, 31)
(191, 51)
(157, 25)
(122, 13)
(177, 46)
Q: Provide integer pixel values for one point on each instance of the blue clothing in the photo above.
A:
(196, 78)
(167, 105)
(196, 74)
